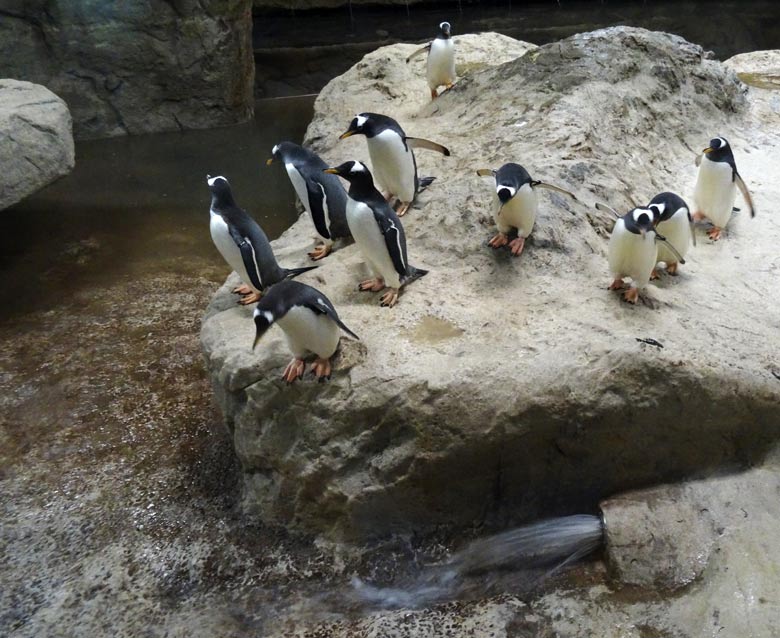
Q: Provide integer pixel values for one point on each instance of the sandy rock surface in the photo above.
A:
(501, 389)
(36, 140)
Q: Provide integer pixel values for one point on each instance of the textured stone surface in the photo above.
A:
(757, 68)
(500, 389)
(36, 141)
(130, 67)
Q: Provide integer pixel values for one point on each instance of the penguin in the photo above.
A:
(243, 244)
(440, 69)
(716, 186)
(672, 220)
(322, 195)
(392, 157)
(378, 232)
(632, 251)
(515, 204)
(308, 320)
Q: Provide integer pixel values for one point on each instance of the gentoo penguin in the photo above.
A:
(392, 157)
(632, 251)
(715, 186)
(672, 220)
(378, 233)
(441, 60)
(309, 321)
(243, 244)
(515, 204)
(322, 195)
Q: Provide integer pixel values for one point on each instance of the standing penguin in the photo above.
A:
(716, 186)
(378, 233)
(310, 323)
(440, 69)
(392, 158)
(515, 204)
(322, 195)
(632, 251)
(672, 220)
(243, 244)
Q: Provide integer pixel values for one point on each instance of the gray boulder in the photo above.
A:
(499, 389)
(36, 142)
(135, 67)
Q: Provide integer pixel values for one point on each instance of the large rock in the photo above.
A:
(502, 389)
(36, 141)
(130, 67)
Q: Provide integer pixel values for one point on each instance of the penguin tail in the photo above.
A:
(424, 183)
(414, 275)
(292, 273)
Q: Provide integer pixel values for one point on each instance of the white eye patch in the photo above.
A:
(723, 143)
(274, 150)
(512, 190)
(441, 26)
(638, 212)
(658, 209)
(361, 120)
(357, 167)
(212, 180)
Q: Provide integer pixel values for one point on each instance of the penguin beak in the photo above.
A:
(347, 134)
(332, 171)
(269, 161)
(709, 149)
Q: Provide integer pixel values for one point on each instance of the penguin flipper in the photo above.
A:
(321, 306)
(669, 245)
(414, 275)
(486, 172)
(745, 193)
(425, 49)
(692, 226)
(424, 182)
(697, 161)
(395, 241)
(249, 258)
(606, 209)
(292, 273)
(418, 142)
(537, 184)
(318, 202)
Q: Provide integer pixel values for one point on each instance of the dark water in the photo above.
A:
(139, 205)
(300, 51)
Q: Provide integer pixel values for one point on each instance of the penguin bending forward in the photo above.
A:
(632, 251)
(392, 157)
(716, 186)
(674, 222)
(322, 195)
(310, 323)
(243, 244)
(440, 69)
(516, 204)
(378, 233)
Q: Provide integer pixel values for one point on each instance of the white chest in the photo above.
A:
(371, 242)
(677, 231)
(309, 332)
(520, 211)
(393, 164)
(441, 63)
(632, 255)
(715, 191)
(299, 184)
(220, 235)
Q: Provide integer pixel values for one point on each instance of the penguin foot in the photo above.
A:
(294, 371)
(498, 241)
(243, 289)
(714, 233)
(320, 251)
(389, 299)
(252, 297)
(372, 285)
(654, 275)
(516, 246)
(617, 284)
(699, 216)
(404, 207)
(321, 369)
(631, 295)
(671, 268)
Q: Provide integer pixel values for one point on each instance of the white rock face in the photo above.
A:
(36, 140)
(501, 389)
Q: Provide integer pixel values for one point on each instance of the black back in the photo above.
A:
(512, 175)
(721, 152)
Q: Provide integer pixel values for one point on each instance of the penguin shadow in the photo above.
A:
(350, 353)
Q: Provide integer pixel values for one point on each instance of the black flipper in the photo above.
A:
(414, 275)
(745, 193)
(316, 198)
(292, 273)
(321, 306)
(424, 183)
(248, 256)
(395, 240)
(425, 49)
